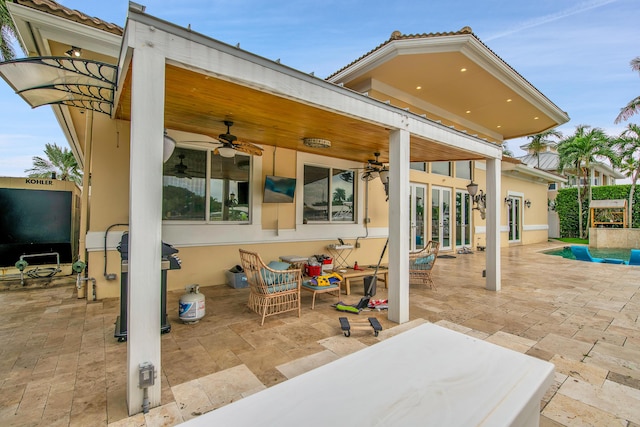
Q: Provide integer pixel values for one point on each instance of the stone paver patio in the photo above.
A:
(61, 366)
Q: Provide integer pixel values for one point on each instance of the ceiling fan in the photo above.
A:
(229, 144)
(181, 169)
(373, 168)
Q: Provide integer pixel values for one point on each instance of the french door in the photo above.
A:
(441, 216)
(514, 214)
(418, 219)
(463, 219)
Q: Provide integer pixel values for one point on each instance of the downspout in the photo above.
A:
(84, 205)
(366, 214)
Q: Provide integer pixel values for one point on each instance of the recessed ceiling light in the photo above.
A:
(536, 118)
(468, 111)
(509, 100)
(418, 87)
(499, 126)
(462, 70)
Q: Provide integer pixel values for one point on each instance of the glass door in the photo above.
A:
(463, 219)
(514, 211)
(441, 216)
(417, 220)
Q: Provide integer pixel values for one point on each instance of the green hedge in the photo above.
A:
(567, 206)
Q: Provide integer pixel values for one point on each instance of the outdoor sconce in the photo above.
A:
(479, 199)
(508, 201)
(74, 52)
(527, 203)
(232, 200)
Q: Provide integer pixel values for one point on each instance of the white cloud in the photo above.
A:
(542, 20)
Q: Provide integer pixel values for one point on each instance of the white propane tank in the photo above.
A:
(191, 305)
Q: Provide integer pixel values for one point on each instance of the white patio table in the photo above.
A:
(426, 376)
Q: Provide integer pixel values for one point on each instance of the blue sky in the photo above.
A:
(576, 52)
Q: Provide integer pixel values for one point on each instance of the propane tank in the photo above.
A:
(191, 307)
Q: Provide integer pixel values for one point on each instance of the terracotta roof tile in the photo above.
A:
(53, 8)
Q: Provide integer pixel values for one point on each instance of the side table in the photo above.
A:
(340, 254)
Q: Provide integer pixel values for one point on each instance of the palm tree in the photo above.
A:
(578, 152)
(540, 140)
(505, 150)
(628, 146)
(633, 106)
(59, 161)
(339, 196)
(7, 33)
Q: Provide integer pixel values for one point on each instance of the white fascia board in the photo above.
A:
(193, 51)
(452, 138)
(538, 173)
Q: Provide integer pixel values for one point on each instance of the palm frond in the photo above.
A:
(633, 107)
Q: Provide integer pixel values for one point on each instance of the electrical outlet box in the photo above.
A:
(147, 374)
(357, 244)
(367, 220)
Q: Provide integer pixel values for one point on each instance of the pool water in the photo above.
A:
(596, 253)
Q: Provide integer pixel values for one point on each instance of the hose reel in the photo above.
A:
(79, 266)
(21, 265)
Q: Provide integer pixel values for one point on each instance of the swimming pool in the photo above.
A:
(618, 253)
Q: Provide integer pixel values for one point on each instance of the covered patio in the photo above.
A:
(61, 364)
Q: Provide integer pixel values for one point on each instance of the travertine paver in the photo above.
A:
(61, 366)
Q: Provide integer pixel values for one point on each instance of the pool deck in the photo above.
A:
(61, 365)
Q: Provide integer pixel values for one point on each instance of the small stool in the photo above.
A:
(333, 289)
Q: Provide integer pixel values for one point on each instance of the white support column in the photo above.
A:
(399, 226)
(493, 211)
(84, 200)
(145, 223)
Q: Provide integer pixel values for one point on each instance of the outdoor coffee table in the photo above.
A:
(382, 274)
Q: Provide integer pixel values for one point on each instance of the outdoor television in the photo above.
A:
(278, 189)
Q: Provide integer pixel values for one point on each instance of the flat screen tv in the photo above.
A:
(278, 189)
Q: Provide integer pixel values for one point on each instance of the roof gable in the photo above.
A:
(455, 78)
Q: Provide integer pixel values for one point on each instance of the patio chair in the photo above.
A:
(582, 254)
(273, 288)
(421, 264)
(634, 258)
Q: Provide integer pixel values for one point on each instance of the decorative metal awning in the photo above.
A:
(73, 82)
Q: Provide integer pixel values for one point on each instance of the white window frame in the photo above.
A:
(333, 163)
(207, 205)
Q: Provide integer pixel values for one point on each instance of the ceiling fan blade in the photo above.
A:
(248, 148)
(369, 175)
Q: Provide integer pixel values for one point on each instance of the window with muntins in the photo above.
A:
(328, 194)
(200, 186)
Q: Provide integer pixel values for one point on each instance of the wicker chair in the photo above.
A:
(271, 291)
(421, 264)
